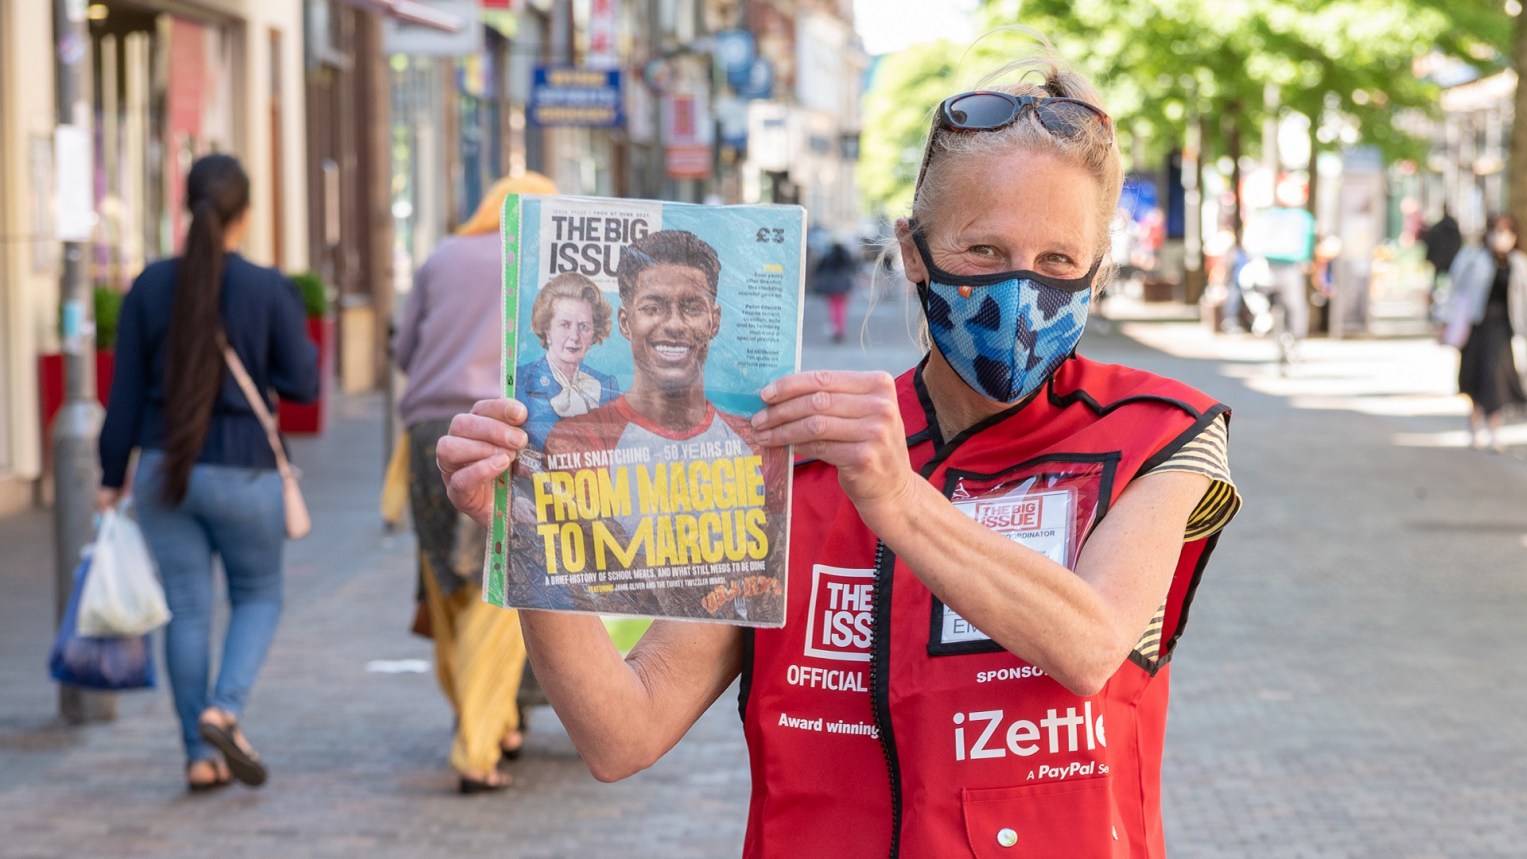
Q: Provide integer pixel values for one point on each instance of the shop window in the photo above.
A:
(162, 96)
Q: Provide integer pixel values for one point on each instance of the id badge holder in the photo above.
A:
(1049, 505)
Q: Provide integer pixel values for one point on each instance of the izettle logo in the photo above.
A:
(1054, 733)
(838, 624)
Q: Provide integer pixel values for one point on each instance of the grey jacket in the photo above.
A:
(1472, 275)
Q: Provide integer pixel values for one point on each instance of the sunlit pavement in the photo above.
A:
(1349, 685)
(1351, 679)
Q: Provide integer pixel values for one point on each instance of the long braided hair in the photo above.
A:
(217, 193)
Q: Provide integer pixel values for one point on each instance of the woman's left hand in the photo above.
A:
(846, 419)
(107, 498)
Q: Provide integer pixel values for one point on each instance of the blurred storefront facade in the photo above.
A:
(691, 100)
(371, 129)
(1470, 148)
(807, 151)
(169, 80)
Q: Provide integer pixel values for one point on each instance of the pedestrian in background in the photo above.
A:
(1230, 266)
(833, 278)
(449, 345)
(1487, 308)
(206, 482)
(1050, 515)
(1284, 236)
(1443, 241)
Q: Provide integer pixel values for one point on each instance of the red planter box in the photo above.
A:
(308, 418)
(50, 384)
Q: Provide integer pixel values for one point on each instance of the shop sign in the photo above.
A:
(687, 162)
(571, 96)
(759, 82)
(601, 34)
(688, 132)
(687, 119)
(463, 37)
(74, 213)
(735, 50)
(659, 74)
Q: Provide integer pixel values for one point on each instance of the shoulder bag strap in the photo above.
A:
(256, 402)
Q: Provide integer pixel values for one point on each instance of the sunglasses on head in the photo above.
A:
(984, 110)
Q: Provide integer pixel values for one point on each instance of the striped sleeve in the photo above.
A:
(1208, 454)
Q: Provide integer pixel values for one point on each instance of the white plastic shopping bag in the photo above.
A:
(122, 594)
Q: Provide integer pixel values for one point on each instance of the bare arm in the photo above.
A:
(1078, 626)
(622, 713)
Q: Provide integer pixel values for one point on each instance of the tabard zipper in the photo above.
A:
(880, 703)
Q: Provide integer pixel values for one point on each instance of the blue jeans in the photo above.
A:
(237, 514)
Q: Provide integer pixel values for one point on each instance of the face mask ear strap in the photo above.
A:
(922, 252)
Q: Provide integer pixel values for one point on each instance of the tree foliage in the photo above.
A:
(1341, 63)
(1161, 60)
(897, 111)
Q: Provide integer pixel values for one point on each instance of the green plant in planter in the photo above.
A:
(108, 309)
(315, 294)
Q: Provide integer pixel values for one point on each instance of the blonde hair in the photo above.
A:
(1095, 149)
(485, 219)
(574, 286)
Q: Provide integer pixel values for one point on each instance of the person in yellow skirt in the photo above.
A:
(448, 346)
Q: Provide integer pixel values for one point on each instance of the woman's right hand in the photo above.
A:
(481, 445)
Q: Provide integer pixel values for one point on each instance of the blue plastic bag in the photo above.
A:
(98, 663)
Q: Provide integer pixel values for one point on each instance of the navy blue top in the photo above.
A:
(535, 386)
(264, 321)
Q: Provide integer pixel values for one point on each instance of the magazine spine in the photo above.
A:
(495, 576)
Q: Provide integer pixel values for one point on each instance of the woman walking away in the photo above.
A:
(206, 482)
(1487, 309)
(833, 277)
(448, 345)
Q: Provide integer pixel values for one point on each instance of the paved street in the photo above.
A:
(1350, 684)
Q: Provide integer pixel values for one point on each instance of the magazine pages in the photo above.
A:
(638, 334)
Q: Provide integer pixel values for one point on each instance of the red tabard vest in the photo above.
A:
(881, 724)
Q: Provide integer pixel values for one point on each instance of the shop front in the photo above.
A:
(161, 97)
(162, 85)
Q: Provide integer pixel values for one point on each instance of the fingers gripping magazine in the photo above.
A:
(638, 334)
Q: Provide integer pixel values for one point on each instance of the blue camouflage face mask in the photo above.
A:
(1003, 333)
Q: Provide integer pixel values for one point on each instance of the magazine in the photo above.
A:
(638, 334)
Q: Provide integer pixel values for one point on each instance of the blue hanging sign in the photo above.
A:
(759, 82)
(734, 51)
(571, 96)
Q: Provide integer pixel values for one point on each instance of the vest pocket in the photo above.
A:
(1070, 818)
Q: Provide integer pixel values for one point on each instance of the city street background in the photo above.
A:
(1349, 684)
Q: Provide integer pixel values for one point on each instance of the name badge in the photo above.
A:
(1041, 521)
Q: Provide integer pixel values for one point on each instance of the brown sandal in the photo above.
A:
(243, 761)
(495, 781)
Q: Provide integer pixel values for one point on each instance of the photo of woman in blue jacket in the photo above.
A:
(570, 315)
